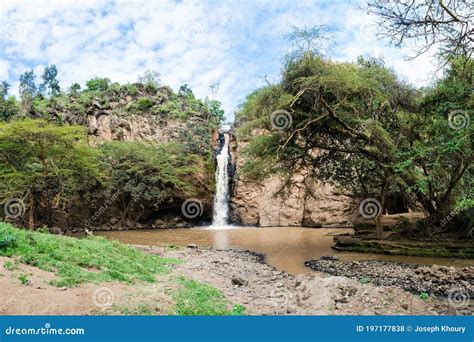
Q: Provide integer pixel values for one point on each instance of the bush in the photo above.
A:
(143, 103)
(8, 240)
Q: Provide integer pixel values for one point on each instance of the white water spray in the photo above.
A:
(221, 200)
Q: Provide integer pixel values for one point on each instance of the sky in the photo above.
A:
(238, 45)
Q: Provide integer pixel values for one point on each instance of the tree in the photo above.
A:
(444, 26)
(145, 177)
(216, 112)
(357, 126)
(185, 91)
(28, 89)
(74, 88)
(50, 83)
(150, 77)
(98, 84)
(309, 41)
(4, 87)
(45, 165)
(8, 106)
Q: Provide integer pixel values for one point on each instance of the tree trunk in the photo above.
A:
(31, 214)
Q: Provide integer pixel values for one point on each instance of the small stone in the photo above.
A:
(192, 245)
(239, 281)
(329, 257)
(405, 306)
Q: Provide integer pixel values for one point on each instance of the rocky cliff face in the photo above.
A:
(306, 203)
(137, 113)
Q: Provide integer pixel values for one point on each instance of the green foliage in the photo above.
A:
(47, 164)
(424, 295)
(144, 103)
(373, 134)
(23, 278)
(147, 176)
(194, 298)
(98, 84)
(8, 240)
(151, 79)
(75, 88)
(28, 86)
(50, 83)
(185, 91)
(8, 108)
(91, 259)
(10, 266)
(215, 110)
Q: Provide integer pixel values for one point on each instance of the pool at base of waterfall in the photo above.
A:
(286, 248)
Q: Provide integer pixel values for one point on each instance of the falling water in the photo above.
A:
(221, 200)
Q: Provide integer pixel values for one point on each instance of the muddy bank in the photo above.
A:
(264, 290)
(396, 246)
(456, 285)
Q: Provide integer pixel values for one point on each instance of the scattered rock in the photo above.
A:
(239, 281)
(192, 245)
(437, 280)
(329, 257)
(55, 230)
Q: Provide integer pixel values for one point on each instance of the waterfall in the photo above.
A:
(221, 200)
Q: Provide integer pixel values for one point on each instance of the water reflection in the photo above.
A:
(285, 248)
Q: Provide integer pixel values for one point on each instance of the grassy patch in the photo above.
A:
(194, 298)
(23, 278)
(74, 261)
(10, 266)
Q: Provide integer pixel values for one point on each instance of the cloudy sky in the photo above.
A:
(237, 44)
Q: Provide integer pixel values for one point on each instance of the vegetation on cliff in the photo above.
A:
(359, 127)
(64, 164)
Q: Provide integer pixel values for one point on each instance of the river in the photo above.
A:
(285, 248)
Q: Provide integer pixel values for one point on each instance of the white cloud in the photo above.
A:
(234, 44)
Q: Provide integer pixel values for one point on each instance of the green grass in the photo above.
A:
(23, 278)
(75, 261)
(424, 295)
(195, 298)
(8, 265)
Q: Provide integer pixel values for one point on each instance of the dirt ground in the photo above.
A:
(241, 276)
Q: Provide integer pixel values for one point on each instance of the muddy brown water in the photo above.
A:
(286, 248)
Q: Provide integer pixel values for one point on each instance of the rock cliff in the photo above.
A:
(307, 202)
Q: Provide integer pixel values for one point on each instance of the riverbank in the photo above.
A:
(48, 274)
(456, 285)
(244, 278)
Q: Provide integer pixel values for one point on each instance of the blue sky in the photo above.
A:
(235, 44)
